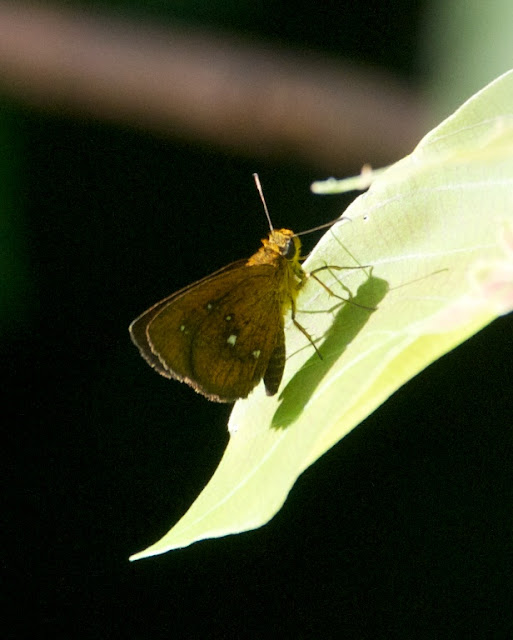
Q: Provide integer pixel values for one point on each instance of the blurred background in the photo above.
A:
(128, 135)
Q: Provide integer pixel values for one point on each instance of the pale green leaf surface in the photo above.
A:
(437, 230)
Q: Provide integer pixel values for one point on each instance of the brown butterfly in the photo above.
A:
(225, 333)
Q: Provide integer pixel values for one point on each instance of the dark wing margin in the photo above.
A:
(139, 335)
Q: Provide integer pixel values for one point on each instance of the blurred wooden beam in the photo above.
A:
(248, 97)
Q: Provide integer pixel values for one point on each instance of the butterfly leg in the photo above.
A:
(301, 328)
(331, 292)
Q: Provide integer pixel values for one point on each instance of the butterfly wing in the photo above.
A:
(220, 334)
(138, 328)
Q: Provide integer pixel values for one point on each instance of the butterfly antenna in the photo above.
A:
(322, 226)
(259, 188)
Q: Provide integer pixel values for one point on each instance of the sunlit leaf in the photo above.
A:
(437, 231)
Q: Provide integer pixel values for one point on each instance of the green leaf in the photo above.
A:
(437, 230)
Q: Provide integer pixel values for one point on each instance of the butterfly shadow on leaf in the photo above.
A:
(349, 320)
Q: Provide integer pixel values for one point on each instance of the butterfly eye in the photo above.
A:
(289, 250)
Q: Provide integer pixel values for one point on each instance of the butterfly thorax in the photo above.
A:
(282, 251)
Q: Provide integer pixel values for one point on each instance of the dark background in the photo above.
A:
(404, 527)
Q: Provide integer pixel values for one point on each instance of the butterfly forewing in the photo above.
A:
(138, 328)
(220, 335)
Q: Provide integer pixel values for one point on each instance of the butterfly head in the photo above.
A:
(284, 243)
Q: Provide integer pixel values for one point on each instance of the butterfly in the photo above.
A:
(225, 333)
